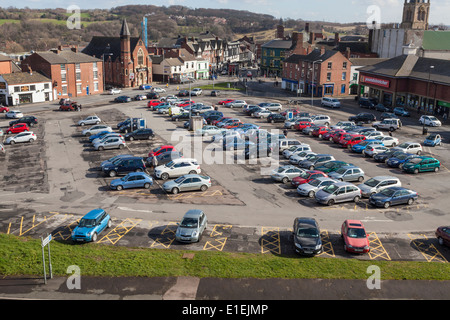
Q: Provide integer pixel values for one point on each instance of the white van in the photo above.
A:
(177, 168)
(284, 144)
(330, 102)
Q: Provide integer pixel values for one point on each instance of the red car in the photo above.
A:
(225, 101)
(3, 109)
(18, 128)
(186, 104)
(351, 140)
(338, 136)
(320, 131)
(329, 134)
(295, 112)
(355, 237)
(232, 125)
(443, 235)
(306, 177)
(302, 125)
(153, 103)
(159, 150)
(70, 106)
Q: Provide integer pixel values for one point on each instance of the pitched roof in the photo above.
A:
(66, 56)
(109, 46)
(315, 55)
(24, 78)
(278, 44)
(125, 31)
(4, 58)
(362, 62)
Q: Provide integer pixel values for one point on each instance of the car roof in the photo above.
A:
(307, 221)
(193, 213)
(355, 223)
(385, 177)
(93, 214)
(194, 175)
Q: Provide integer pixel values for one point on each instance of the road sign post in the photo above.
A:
(46, 242)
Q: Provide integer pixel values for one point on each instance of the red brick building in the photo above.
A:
(5, 64)
(73, 73)
(127, 62)
(325, 72)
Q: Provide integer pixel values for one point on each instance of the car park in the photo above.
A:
(443, 235)
(27, 136)
(388, 141)
(373, 149)
(307, 236)
(315, 161)
(393, 196)
(192, 226)
(348, 173)
(337, 193)
(260, 150)
(189, 182)
(123, 166)
(28, 120)
(433, 140)
(363, 118)
(388, 124)
(14, 114)
(96, 129)
(140, 134)
(132, 180)
(91, 225)
(430, 121)
(89, 120)
(163, 158)
(411, 147)
(285, 174)
(311, 187)
(400, 111)
(378, 183)
(306, 177)
(17, 128)
(330, 102)
(177, 168)
(331, 166)
(422, 164)
(355, 237)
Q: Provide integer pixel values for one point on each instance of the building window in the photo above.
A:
(95, 86)
(78, 75)
(344, 75)
(63, 77)
(344, 65)
(64, 90)
(77, 66)
(328, 90)
(95, 74)
(329, 76)
(95, 67)
(46, 86)
(79, 88)
(17, 89)
(33, 88)
(330, 64)
(63, 67)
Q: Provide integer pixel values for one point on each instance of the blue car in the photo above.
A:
(123, 99)
(393, 196)
(433, 140)
(98, 135)
(235, 143)
(91, 225)
(132, 180)
(359, 147)
(399, 160)
(145, 87)
(400, 111)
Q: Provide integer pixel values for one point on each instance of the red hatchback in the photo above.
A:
(157, 151)
(153, 103)
(320, 131)
(3, 109)
(302, 125)
(306, 177)
(356, 240)
(338, 136)
(18, 128)
(443, 235)
(351, 140)
(225, 101)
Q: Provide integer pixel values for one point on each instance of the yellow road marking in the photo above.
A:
(217, 242)
(118, 232)
(427, 249)
(327, 247)
(270, 240)
(376, 248)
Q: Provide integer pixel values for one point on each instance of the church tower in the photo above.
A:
(125, 54)
(416, 14)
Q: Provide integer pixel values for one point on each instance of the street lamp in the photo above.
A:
(428, 88)
(104, 68)
(312, 81)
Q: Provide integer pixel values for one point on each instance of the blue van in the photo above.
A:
(91, 225)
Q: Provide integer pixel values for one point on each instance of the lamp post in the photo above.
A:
(104, 68)
(312, 81)
(428, 88)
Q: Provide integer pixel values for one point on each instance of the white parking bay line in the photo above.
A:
(135, 210)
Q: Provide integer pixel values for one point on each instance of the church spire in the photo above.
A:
(125, 31)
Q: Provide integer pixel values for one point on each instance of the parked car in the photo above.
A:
(273, 106)
(355, 237)
(275, 117)
(27, 136)
(343, 125)
(3, 109)
(123, 166)
(114, 91)
(188, 182)
(311, 187)
(359, 147)
(330, 102)
(89, 120)
(192, 226)
(378, 183)
(321, 120)
(209, 131)
(430, 121)
(91, 225)
(388, 141)
(183, 93)
(363, 118)
(366, 103)
(331, 166)
(14, 114)
(298, 157)
(262, 114)
(158, 150)
(388, 115)
(393, 196)
(300, 126)
(285, 174)
(28, 120)
(110, 143)
(158, 90)
(287, 153)
(102, 137)
(153, 95)
(352, 139)
(382, 108)
(163, 158)
(69, 106)
(399, 160)
(132, 180)
(384, 156)
(225, 135)
(338, 192)
(388, 124)
(372, 150)
(95, 129)
(145, 87)
(421, 164)
(196, 92)
(433, 140)
(122, 99)
(307, 239)
(443, 235)
(411, 147)
(319, 131)
(400, 111)
(236, 104)
(307, 176)
(373, 134)
(316, 161)
(177, 168)
(113, 159)
(140, 134)
(17, 128)
(235, 143)
(348, 173)
(215, 93)
(260, 150)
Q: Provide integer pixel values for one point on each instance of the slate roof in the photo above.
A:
(110, 46)
(66, 56)
(313, 56)
(24, 78)
(278, 44)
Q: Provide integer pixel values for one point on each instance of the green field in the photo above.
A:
(3, 21)
(222, 86)
(22, 256)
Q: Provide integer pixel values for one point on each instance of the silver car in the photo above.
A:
(236, 104)
(298, 157)
(192, 226)
(348, 173)
(96, 129)
(285, 174)
(309, 189)
(287, 153)
(110, 143)
(315, 161)
(338, 192)
(376, 184)
(89, 120)
(188, 182)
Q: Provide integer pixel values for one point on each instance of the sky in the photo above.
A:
(343, 11)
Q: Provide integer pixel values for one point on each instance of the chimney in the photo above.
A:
(297, 43)
(74, 49)
(336, 38)
(280, 32)
(311, 37)
(307, 27)
(322, 50)
(347, 53)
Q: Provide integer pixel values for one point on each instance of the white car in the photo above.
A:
(27, 136)
(430, 121)
(343, 125)
(297, 158)
(159, 90)
(177, 168)
(96, 129)
(89, 120)
(227, 134)
(14, 114)
(374, 149)
(388, 141)
(373, 134)
(411, 147)
(295, 150)
(196, 92)
(262, 114)
(114, 91)
(330, 102)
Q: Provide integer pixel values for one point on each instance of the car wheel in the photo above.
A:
(12, 142)
(387, 205)
(112, 173)
(419, 153)
(138, 170)
(147, 185)
(416, 171)
(131, 138)
(175, 190)
(311, 168)
(31, 140)
(285, 180)
(94, 237)
(203, 188)
(441, 241)
(108, 225)
(101, 148)
(165, 176)
(360, 179)
(436, 169)
(330, 202)
(410, 201)
(356, 199)
(119, 188)
(120, 146)
(311, 194)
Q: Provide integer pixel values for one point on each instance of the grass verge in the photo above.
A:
(22, 256)
(222, 86)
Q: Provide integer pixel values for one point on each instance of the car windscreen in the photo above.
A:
(87, 223)
(372, 182)
(314, 182)
(330, 189)
(356, 233)
(341, 170)
(308, 233)
(387, 192)
(189, 223)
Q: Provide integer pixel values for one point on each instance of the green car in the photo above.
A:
(332, 166)
(422, 164)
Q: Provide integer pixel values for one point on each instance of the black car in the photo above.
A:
(181, 116)
(183, 93)
(363, 118)
(140, 134)
(382, 108)
(152, 95)
(29, 120)
(258, 151)
(164, 158)
(383, 156)
(213, 117)
(387, 115)
(276, 117)
(366, 103)
(307, 239)
(215, 93)
(124, 166)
